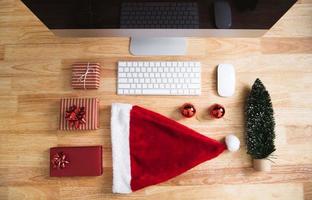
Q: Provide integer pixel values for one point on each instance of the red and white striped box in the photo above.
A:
(86, 75)
(92, 110)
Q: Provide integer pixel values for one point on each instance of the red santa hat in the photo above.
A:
(149, 148)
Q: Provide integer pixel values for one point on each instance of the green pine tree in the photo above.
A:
(260, 123)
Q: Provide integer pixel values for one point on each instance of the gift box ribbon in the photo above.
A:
(83, 77)
(75, 116)
(59, 161)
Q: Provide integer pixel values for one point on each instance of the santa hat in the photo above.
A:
(149, 148)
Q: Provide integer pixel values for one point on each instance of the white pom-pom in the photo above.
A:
(232, 143)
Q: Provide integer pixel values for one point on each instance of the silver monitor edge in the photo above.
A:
(159, 32)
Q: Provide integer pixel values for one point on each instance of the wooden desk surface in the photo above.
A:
(35, 73)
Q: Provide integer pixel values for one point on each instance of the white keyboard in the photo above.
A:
(159, 78)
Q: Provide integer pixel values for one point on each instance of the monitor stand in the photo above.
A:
(158, 46)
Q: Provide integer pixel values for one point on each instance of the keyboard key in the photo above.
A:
(124, 85)
(122, 80)
(193, 86)
(122, 64)
(121, 75)
(138, 91)
(156, 92)
(196, 69)
(195, 80)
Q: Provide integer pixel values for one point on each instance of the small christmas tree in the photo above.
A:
(260, 124)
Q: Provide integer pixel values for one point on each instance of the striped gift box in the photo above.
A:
(91, 106)
(86, 75)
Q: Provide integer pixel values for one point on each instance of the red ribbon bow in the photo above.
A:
(59, 161)
(75, 116)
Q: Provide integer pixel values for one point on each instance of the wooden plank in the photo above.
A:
(4, 194)
(257, 191)
(304, 1)
(286, 45)
(5, 85)
(28, 192)
(9, 103)
(26, 150)
(307, 190)
(31, 68)
(39, 176)
(1, 52)
(93, 50)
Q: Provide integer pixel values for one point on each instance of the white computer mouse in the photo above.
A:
(226, 80)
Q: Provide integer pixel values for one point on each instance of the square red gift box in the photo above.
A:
(79, 114)
(86, 75)
(76, 161)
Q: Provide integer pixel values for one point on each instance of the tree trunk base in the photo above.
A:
(262, 165)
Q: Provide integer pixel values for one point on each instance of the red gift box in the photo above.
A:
(90, 107)
(76, 161)
(86, 75)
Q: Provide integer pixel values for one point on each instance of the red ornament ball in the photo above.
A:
(217, 111)
(188, 110)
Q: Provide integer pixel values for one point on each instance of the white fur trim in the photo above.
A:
(120, 128)
(232, 143)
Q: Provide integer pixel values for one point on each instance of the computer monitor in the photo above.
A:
(158, 27)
